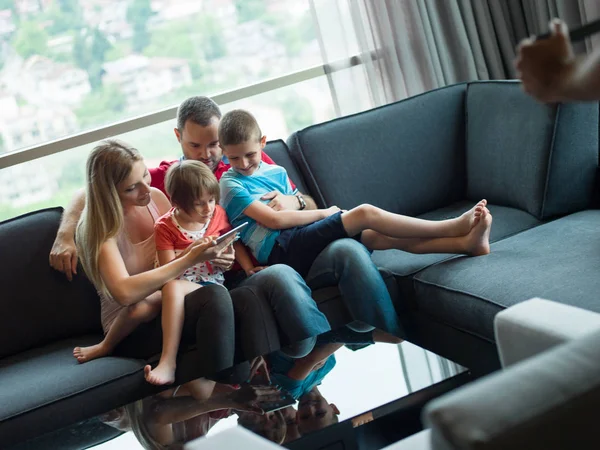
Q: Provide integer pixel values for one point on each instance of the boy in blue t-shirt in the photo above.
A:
(296, 238)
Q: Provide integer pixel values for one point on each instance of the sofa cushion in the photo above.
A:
(46, 388)
(557, 260)
(388, 156)
(507, 221)
(523, 154)
(38, 304)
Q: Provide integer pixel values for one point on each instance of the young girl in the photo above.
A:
(195, 217)
(115, 239)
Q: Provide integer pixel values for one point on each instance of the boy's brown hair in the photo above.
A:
(238, 126)
(186, 181)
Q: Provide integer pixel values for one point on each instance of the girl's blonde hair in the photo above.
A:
(108, 165)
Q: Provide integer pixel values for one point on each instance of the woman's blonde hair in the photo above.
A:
(108, 165)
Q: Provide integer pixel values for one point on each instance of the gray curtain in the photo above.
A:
(411, 46)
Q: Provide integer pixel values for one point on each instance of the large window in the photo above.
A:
(72, 65)
(52, 180)
(69, 65)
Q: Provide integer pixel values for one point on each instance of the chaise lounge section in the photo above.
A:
(434, 156)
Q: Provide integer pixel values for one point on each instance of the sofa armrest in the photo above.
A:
(536, 325)
(546, 402)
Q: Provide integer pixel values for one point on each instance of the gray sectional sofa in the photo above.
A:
(436, 154)
(431, 156)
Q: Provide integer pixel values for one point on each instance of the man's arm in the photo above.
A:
(280, 202)
(551, 72)
(63, 255)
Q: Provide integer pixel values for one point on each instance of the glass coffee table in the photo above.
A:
(369, 392)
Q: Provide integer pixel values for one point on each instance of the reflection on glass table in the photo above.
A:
(348, 378)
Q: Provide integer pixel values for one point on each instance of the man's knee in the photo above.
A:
(277, 277)
(212, 300)
(350, 251)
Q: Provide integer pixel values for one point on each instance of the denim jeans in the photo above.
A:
(347, 264)
(294, 309)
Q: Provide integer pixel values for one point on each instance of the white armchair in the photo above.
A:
(547, 397)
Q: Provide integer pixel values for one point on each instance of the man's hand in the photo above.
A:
(255, 270)
(547, 66)
(63, 256)
(225, 259)
(280, 202)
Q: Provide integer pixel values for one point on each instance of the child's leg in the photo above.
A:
(368, 217)
(475, 243)
(173, 314)
(126, 321)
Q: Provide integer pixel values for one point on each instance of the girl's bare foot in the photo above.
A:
(163, 374)
(469, 219)
(85, 354)
(478, 240)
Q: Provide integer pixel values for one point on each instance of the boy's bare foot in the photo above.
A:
(469, 219)
(163, 374)
(478, 240)
(85, 354)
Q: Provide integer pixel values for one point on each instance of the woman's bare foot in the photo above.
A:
(478, 240)
(85, 354)
(163, 374)
(469, 219)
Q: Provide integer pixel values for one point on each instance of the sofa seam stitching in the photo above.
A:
(459, 291)
(550, 156)
(308, 167)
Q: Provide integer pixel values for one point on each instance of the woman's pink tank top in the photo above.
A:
(138, 258)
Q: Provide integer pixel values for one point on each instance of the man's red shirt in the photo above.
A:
(158, 173)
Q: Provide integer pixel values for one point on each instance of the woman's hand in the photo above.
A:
(259, 368)
(207, 249)
(248, 398)
(225, 259)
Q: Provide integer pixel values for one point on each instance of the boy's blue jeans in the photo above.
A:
(347, 263)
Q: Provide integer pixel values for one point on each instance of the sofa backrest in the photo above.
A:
(520, 153)
(406, 157)
(280, 153)
(38, 305)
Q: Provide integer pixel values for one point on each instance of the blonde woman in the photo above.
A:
(115, 239)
